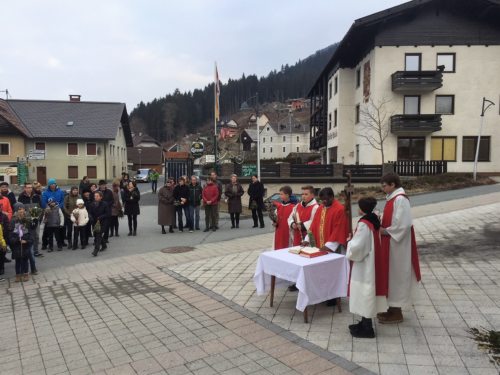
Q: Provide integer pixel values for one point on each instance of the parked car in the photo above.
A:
(142, 175)
(295, 198)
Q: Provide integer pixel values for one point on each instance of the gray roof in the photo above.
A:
(90, 120)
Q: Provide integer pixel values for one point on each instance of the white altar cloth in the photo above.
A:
(317, 279)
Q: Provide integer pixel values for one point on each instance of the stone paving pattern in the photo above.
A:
(136, 314)
(460, 271)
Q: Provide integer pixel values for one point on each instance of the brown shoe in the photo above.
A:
(18, 278)
(26, 277)
(394, 315)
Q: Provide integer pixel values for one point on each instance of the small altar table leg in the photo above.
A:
(339, 304)
(305, 315)
(273, 283)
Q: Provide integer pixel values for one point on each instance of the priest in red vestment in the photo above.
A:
(302, 215)
(282, 234)
(329, 226)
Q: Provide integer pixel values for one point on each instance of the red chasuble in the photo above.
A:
(282, 230)
(304, 213)
(330, 225)
(381, 262)
(386, 240)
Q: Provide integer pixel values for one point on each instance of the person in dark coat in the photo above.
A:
(87, 201)
(31, 199)
(166, 208)
(194, 203)
(116, 210)
(131, 198)
(181, 195)
(20, 241)
(256, 202)
(84, 185)
(99, 213)
(233, 193)
(107, 196)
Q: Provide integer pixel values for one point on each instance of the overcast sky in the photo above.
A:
(128, 51)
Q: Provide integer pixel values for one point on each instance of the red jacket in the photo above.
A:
(5, 206)
(210, 193)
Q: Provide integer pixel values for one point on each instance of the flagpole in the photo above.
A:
(215, 118)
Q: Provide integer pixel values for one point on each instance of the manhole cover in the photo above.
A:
(177, 250)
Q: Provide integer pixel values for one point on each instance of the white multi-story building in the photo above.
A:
(421, 70)
(286, 136)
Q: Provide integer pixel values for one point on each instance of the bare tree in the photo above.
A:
(374, 124)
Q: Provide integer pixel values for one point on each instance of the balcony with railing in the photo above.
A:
(415, 124)
(417, 81)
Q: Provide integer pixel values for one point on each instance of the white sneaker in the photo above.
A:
(190, 231)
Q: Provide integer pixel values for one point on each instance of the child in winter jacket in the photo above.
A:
(79, 218)
(54, 220)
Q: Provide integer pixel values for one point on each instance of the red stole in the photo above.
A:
(386, 240)
(381, 264)
(330, 225)
(282, 231)
(304, 215)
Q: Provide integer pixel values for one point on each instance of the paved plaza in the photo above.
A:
(198, 313)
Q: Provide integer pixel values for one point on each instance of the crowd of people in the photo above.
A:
(383, 253)
(179, 203)
(68, 219)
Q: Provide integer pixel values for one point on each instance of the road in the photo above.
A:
(149, 237)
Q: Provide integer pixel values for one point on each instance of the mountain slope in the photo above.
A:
(176, 114)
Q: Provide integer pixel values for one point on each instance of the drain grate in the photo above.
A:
(177, 249)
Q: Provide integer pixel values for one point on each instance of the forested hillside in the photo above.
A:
(176, 114)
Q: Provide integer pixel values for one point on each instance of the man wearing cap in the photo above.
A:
(5, 192)
(109, 199)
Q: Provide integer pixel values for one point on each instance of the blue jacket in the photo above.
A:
(57, 194)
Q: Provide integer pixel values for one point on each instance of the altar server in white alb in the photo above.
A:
(398, 238)
(369, 273)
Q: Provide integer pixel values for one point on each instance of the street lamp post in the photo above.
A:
(140, 159)
(486, 105)
(256, 108)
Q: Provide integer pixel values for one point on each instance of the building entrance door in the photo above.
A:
(41, 175)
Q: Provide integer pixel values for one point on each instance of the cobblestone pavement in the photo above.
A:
(197, 313)
(131, 315)
(460, 272)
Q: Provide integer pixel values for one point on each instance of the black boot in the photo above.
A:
(171, 230)
(364, 329)
(163, 231)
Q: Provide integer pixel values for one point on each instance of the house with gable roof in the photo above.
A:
(67, 140)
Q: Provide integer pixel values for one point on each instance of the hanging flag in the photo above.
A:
(217, 94)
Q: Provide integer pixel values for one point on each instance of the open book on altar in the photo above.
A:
(307, 252)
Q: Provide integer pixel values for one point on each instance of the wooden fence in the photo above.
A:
(363, 170)
(304, 170)
(420, 167)
(270, 170)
